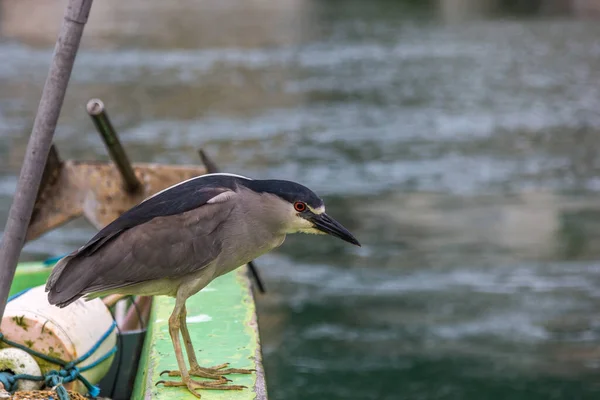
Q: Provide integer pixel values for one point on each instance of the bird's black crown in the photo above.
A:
(287, 190)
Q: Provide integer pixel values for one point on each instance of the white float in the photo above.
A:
(63, 333)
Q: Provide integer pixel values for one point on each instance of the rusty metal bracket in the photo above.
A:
(91, 189)
(99, 191)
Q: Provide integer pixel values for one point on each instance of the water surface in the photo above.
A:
(458, 142)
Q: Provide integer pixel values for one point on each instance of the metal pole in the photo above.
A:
(97, 111)
(67, 44)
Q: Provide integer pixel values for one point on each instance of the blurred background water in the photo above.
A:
(458, 139)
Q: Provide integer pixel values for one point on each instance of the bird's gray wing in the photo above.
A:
(175, 200)
(134, 248)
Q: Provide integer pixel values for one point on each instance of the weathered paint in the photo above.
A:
(229, 335)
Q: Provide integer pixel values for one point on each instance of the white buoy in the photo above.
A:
(18, 362)
(63, 333)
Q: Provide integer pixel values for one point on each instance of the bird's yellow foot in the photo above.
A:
(193, 385)
(215, 372)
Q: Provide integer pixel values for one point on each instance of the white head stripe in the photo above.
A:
(196, 177)
(318, 210)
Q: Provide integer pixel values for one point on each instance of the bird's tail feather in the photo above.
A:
(56, 271)
(60, 292)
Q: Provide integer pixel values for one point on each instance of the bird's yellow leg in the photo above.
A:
(215, 372)
(192, 385)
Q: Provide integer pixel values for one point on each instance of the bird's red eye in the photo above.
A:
(299, 206)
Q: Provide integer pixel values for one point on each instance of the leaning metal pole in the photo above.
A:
(97, 111)
(67, 44)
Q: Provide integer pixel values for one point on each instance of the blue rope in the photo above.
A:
(68, 373)
(7, 380)
(53, 260)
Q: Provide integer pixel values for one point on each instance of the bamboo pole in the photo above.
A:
(42, 134)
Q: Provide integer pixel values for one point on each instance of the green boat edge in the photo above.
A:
(223, 327)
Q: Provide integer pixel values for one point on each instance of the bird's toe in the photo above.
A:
(217, 371)
(193, 385)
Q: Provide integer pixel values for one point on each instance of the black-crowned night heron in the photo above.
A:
(177, 241)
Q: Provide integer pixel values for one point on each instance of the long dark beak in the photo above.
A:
(325, 223)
